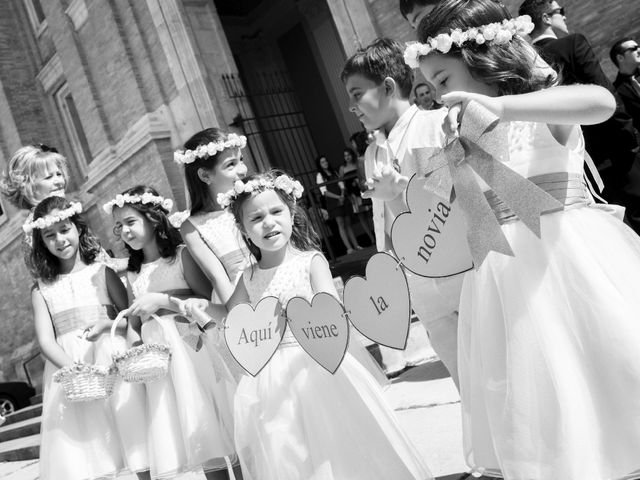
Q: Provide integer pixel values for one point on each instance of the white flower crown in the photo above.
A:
(190, 156)
(145, 198)
(496, 33)
(48, 220)
(282, 182)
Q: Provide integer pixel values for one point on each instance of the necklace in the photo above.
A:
(395, 161)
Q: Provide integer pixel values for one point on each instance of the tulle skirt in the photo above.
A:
(549, 352)
(186, 409)
(297, 421)
(91, 440)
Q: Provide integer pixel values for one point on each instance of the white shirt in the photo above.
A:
(414, 129)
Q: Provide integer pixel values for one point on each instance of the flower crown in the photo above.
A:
(145, 198)
(190, 156)
(282, 182)
(495, 33)
(48, 220)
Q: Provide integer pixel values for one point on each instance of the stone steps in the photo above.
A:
(20, 435)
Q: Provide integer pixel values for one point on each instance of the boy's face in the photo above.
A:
(368, 101)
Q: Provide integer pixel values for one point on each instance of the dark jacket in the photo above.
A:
(629, 92)
(576, 62)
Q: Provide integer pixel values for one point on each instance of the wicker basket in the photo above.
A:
(85, 383)
(143, 364)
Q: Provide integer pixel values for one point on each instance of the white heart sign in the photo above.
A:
(379, 305)
(431, 238)
(253, 335)
(320, 328)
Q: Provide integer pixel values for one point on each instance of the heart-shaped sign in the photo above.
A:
(431, 238)
(253, 335)
(379, 305)
(320, 328)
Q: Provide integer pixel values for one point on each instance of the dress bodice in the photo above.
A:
(533, 150)
(78, 299)
(288, 280)
(219, 232)
(161, 275)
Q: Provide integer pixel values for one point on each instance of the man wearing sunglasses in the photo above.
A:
(611, 144)
(625, 55)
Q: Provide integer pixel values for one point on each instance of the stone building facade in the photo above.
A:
(117, 85)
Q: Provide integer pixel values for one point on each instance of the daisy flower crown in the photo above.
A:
(493, 33)
(282, 182)
(145, 198)
(48, 220)
(210, 149)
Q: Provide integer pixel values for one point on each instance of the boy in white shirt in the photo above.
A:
(379, 84)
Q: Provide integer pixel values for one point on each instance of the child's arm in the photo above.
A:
(564, 105)
(194, 276)
(207, 260)
(216, 310)
(45, 334)
(118, 295)
(320, 276)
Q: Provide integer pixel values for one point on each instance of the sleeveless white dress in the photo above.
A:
(108, 436)
(297, 421)
(549, 340)
(189, 408)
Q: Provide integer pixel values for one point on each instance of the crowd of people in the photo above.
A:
(540, 337)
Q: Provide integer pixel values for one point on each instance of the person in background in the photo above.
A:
(334, 193)
(425, 96)
(625, 55)
(353, 179)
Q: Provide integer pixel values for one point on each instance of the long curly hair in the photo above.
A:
(509, 67)
(45, 264)
(303, 235)
(167, 236)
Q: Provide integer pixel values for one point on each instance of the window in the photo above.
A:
(73, 125)
(36, 15)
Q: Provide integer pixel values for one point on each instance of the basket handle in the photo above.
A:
(114, 326)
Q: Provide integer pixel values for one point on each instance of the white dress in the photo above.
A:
(109, 436)
(188, 409)
(297, 421)
(549, 339)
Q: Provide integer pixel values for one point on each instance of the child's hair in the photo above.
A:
(167, 236)
(381, 59)
(198, 191)
(303, 235)
(45, 264)
(509, 66)
(360, 139)
(26, 164)
(407, 6)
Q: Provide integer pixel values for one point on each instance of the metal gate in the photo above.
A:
(271, 117)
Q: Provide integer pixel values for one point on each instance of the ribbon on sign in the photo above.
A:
(192, 334)
(482, 147)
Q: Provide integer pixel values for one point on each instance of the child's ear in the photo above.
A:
(204, 175)
(390, 86)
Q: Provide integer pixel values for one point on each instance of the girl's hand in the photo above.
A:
(198, 305)
(148, 304)
(457, 102)
(386, 183)
(93, 332)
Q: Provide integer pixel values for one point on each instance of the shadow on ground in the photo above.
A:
(427, 371)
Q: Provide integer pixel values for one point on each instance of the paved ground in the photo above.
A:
(427, 405)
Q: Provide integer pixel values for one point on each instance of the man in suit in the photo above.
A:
(625, 55)
(612, 144)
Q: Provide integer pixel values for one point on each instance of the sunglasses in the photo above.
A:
(560, 10)
(46, 148)
(630, 49)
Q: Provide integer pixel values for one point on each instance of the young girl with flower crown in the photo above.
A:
(548, 336)
(74, 302)
(295, 420)
(188, 408)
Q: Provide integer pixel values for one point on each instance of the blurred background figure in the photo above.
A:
(425, 96)
(352, 174)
